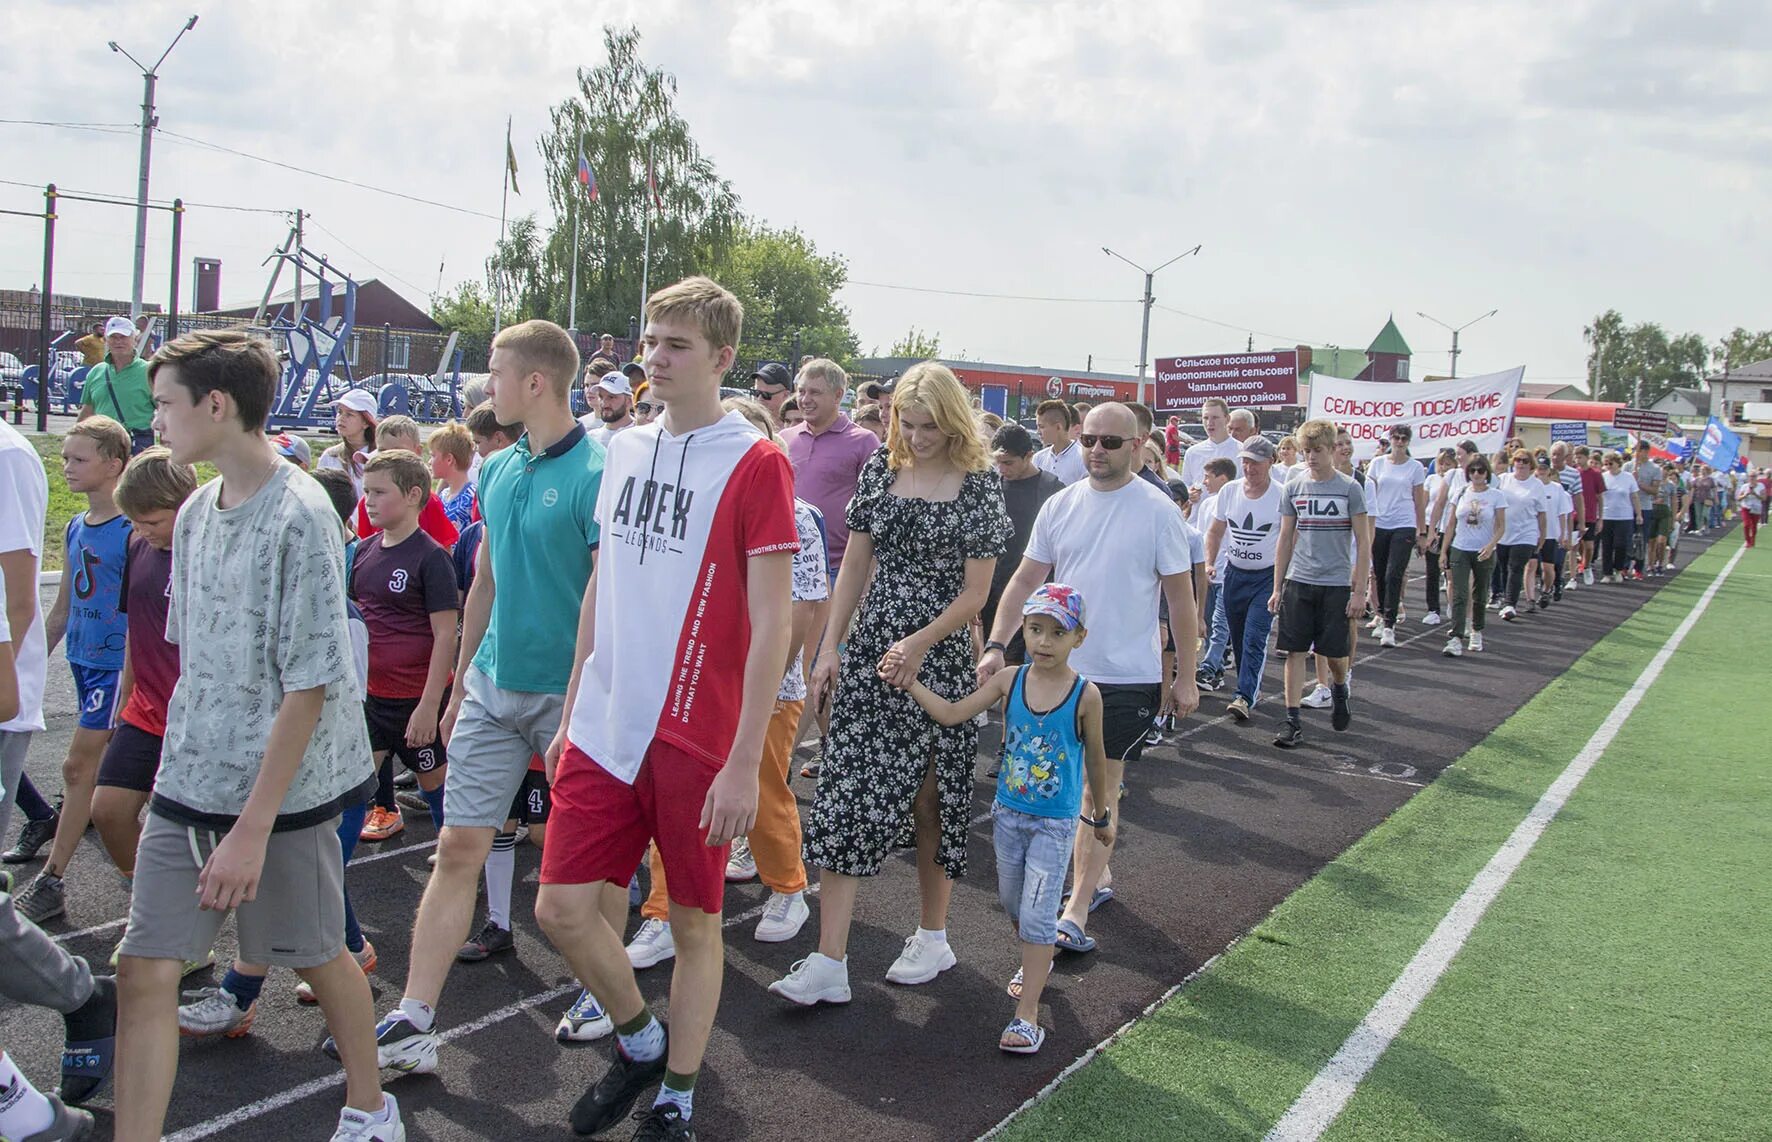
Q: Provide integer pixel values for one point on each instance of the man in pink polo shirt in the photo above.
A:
(827, 450)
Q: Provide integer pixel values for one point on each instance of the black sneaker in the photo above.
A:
(32, 837)
(1291, 734)
(406, 779)
(611, 1098)
(1339, 713)
(664, 1123)
(490, 942)
(89, 1042)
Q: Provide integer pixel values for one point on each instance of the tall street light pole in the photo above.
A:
(1455, 333)
(1144, 338)
(150, 76)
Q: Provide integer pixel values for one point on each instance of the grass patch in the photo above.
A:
(1226, 1056)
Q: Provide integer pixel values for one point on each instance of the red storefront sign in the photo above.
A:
(1184, 383)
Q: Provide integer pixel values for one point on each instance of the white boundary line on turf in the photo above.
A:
(1328, 1094)
(213, 1126)
(385, 854)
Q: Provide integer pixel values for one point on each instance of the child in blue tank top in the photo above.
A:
(1051, 740)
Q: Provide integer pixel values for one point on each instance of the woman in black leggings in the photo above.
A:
(1396, 497)
(1621, 512)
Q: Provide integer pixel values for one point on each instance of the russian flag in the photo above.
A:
(585, 177)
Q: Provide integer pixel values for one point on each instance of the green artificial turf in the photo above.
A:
(1229, 1054)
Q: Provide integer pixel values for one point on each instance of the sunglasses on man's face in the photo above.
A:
(768, 394)
(1111, 443)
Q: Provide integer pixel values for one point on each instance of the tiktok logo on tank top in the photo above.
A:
(652, 515)
(84, 584)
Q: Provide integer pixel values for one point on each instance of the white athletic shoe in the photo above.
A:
(921, 961)
(652, 944)
(783, 917)
(741, 865)
(584, 1022)
(1431, 619)
(1377, 623)
(214, 1011)
(1476, 641)
(1587, 577)
(1318, 699)
(815, 979)
(356, 1126)
(1387, 636)
(1454, 648)
(1509, 613)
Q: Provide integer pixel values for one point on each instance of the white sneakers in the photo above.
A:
(584, 1022)
(1431, 619)
(1387, 636)
(815, 979)
(741, 865)
(1318, 699)
(356, 1126)
(783, 917)
(1454, 648)
(1509, 613)
(921, 961)
(652, 944)
(214, 1011)
(1476, 641)
(1587, 577)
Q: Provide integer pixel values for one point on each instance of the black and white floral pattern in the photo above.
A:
(881, 742)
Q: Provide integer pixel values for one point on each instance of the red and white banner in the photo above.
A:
(1442, 413)
(1242, 379)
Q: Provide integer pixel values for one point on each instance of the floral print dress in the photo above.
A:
(881, 742)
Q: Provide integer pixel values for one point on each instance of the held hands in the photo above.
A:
(1488, 552)
(731, 805)
(989, 664)
(901, 663)
(230, 876)
(421, 729)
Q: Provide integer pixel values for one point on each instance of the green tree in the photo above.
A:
(623, 112)
(1639, 364)
(788, 288)
(516, 271)
(1743, 348)
(467, 311)
(916, 343)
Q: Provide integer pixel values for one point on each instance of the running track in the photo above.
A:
(1219, 827)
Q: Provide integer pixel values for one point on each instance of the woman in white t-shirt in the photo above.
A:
(1621, 512)
(1473, 533)
(1525, 529)
(1439, 512)
(1396, 494)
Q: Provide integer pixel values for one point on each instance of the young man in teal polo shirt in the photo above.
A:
(519, 644)
(118, 387)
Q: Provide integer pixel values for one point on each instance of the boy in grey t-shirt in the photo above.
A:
(1320, 570)
(265, 740)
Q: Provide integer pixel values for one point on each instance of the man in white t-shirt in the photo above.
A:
(1240, 549)
(24, 504)
(1215, 417)
(1217, 473)
(612, 403)
(1119, 542)
(1061, 456)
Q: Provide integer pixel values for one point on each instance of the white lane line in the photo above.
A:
(1328, 1094)
(216, 1125)
(113, 925)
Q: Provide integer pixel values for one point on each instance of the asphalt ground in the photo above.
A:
(1219, 826)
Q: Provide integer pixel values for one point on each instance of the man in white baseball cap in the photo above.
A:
(612, 398)
(118, 386)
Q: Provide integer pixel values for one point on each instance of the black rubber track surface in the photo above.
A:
(1219, 826)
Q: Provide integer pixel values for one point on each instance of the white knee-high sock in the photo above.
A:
(501, 869)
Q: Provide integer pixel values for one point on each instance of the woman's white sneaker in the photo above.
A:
(1454, 648)
(1476, 641)
(783, 917)
(921, 961)
(1387, 636)
(1318, 699)
(356, 1126)
(1431, 619)
(815, 979)
(652, 944)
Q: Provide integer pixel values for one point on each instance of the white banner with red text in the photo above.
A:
(1441, 413)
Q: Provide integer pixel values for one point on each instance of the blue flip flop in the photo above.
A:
(1101, 896)
(1072, 939)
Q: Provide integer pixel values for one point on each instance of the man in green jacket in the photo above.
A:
(118, 386)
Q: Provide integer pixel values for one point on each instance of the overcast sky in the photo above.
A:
(1339, 161)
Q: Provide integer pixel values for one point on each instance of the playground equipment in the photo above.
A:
(67, 374)
(316, 352)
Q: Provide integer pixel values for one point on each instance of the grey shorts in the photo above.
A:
(1033, 854)
(496, 733)
(297, 920)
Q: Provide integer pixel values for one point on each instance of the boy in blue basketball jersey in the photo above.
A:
(94, 454)
(1052, 743)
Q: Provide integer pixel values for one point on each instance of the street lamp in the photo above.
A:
(1144, 339)
(1455, 333)
(149, 77)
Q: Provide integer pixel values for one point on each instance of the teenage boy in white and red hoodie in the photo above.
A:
(665, 737)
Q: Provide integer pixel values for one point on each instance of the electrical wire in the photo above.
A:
(422, 291)
(194, 141)
(997, 296)
(1238, 328)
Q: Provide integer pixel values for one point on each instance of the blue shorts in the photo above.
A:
(1033, 855)
(98, 696)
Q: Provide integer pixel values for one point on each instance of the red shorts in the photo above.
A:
(599, 827)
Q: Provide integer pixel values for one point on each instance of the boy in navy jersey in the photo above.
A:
(404, 583)
(93, 456)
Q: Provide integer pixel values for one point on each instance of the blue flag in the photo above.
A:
(1721, 447)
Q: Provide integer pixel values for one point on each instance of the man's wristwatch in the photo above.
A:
(1100, 822)
(993, 644)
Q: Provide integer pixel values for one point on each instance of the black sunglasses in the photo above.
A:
(647, 408)
(768, 394)
(1111, 443)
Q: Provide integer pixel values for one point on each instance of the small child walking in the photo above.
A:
(1051, 740)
